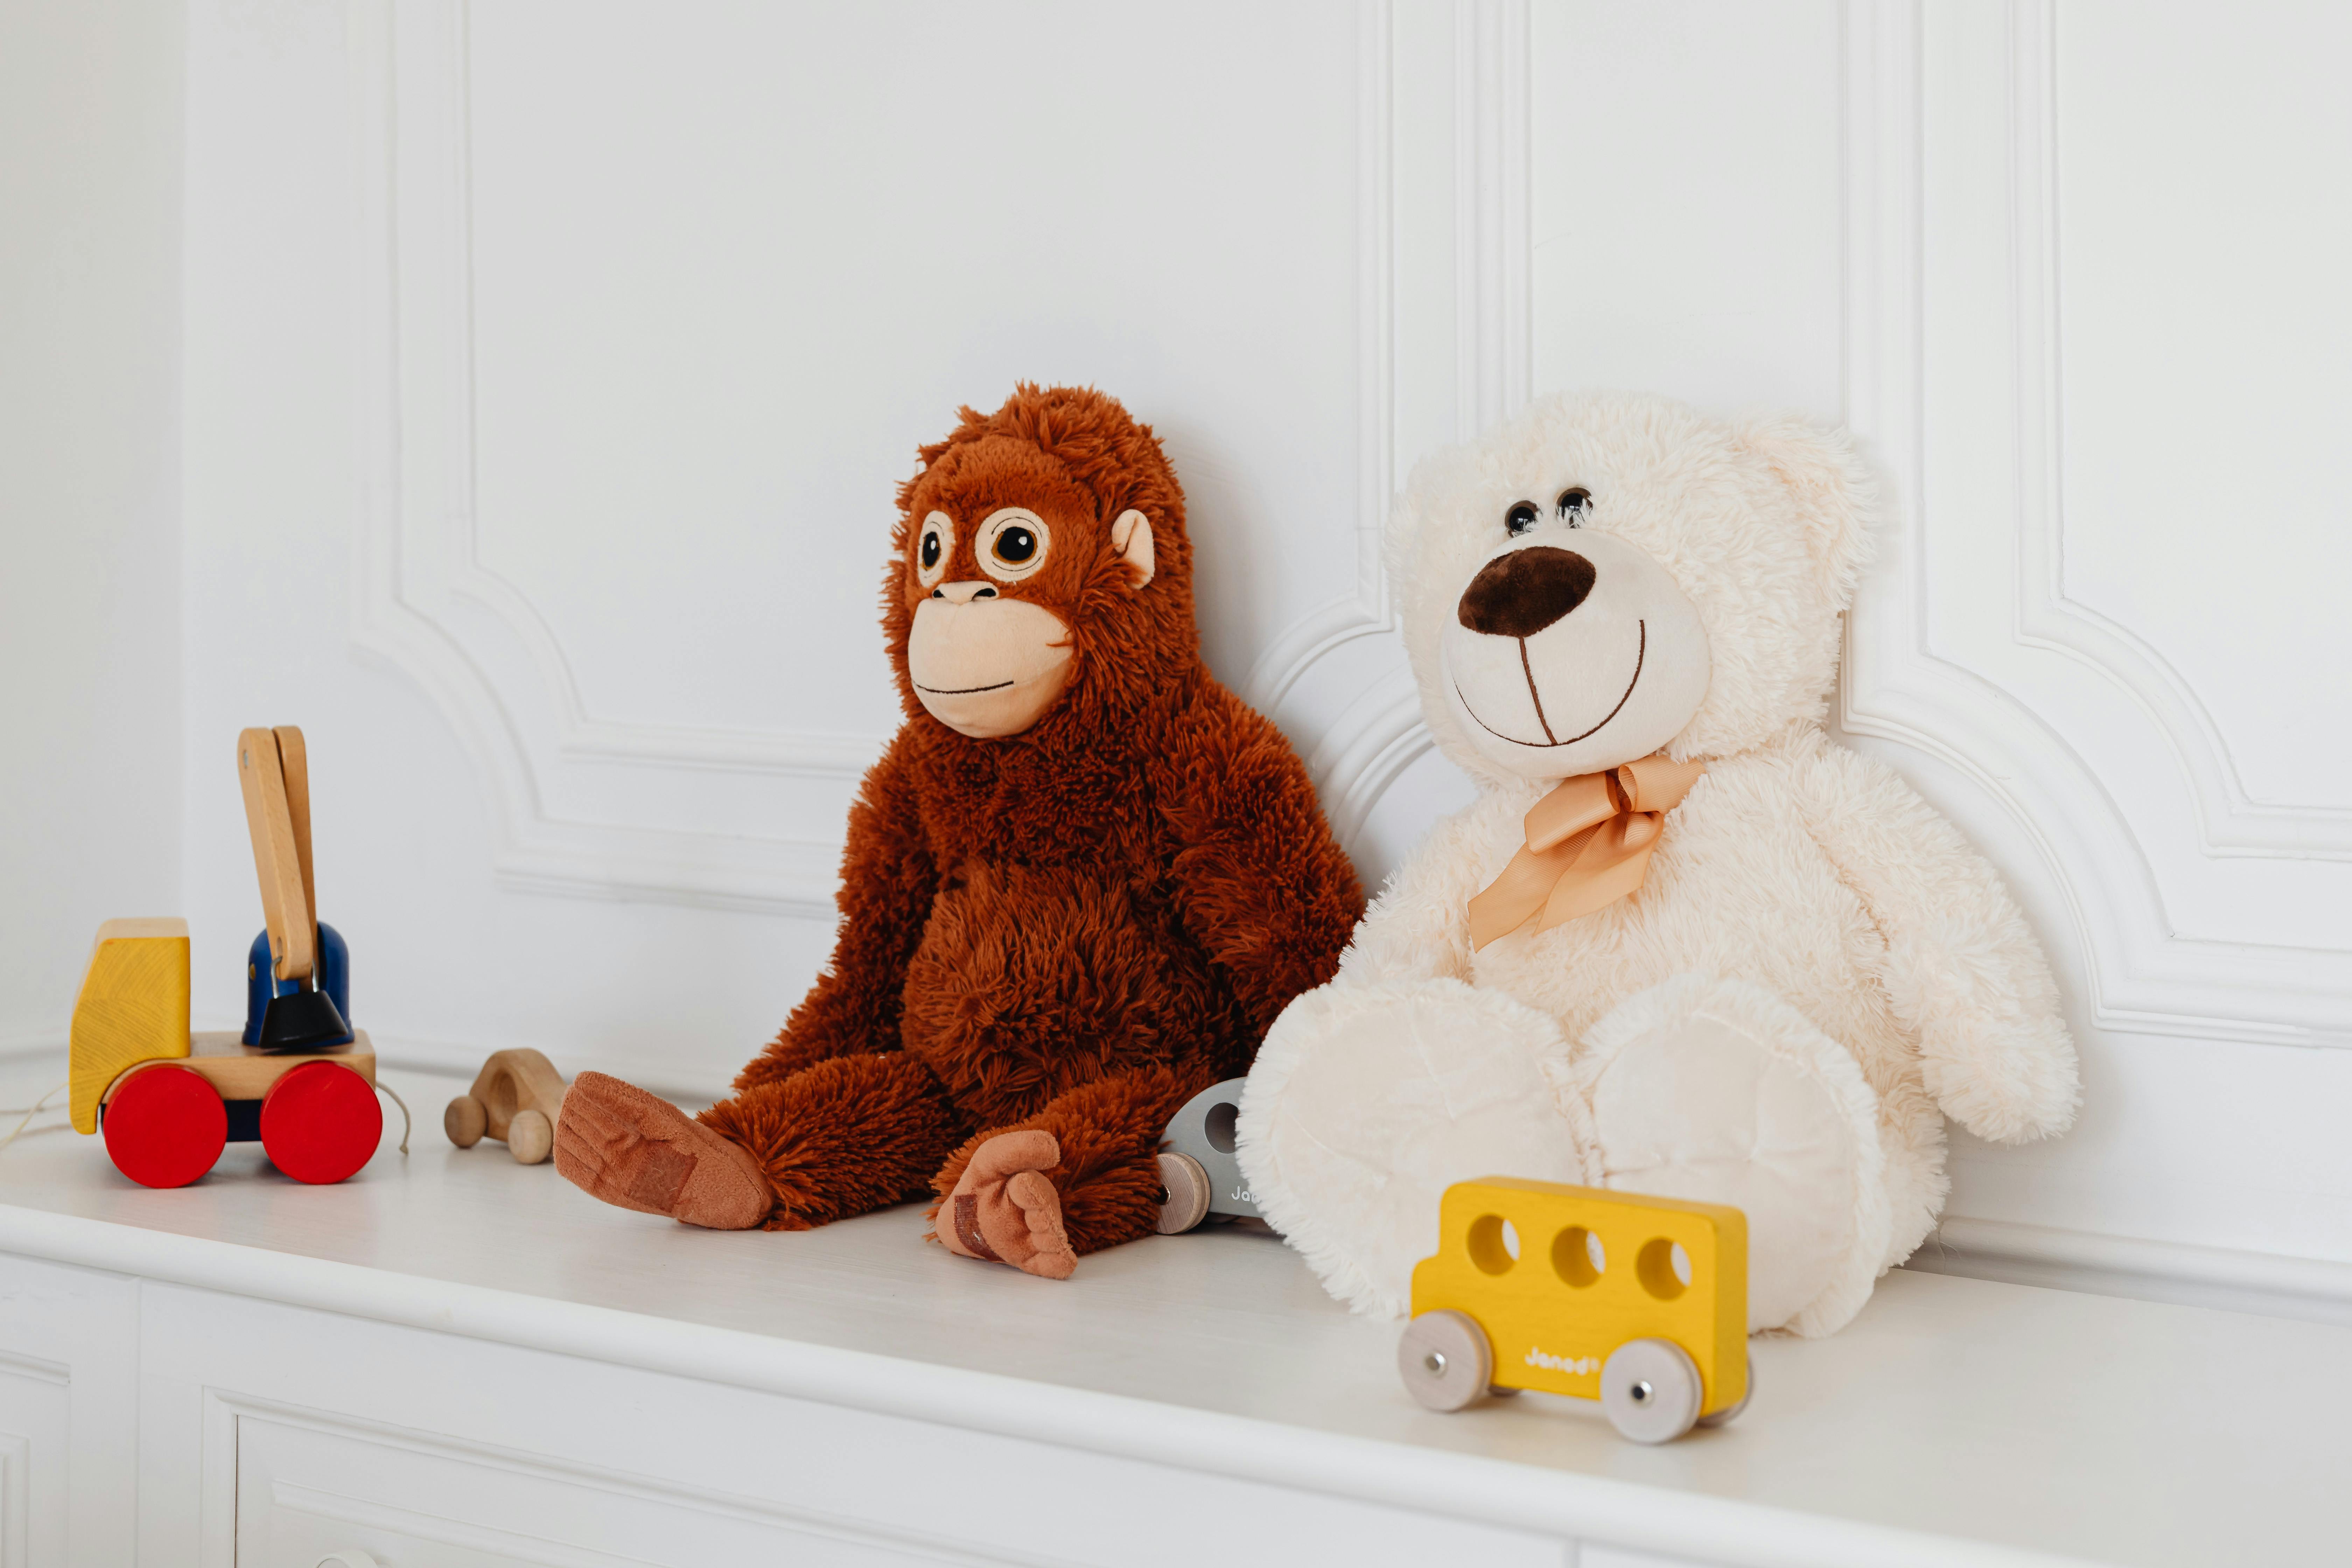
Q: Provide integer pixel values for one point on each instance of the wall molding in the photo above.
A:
(1316, 636)
(689, 1083)
(1903, 685)
(15, 1500)
(2269, 1283)
(414, 555)
(2230, 821)
(1374, 732)
(425, 603)
(1493, 253)
(35, 1368)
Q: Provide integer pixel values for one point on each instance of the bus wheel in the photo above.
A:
(1187, 1186)
(1650, 1390)
(1729, 1411)
(1444, 1359)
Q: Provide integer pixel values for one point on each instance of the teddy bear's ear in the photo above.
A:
(1835, 493)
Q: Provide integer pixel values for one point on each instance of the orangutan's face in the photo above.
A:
(984, 662)
(1000, 550)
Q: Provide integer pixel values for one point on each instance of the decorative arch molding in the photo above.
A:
(425, 603)
(2095, 746)
(1337, 678)
(423, 600)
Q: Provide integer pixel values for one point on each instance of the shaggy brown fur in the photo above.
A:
(1074, 927)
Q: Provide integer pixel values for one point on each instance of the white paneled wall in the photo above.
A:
(548, 369)
(2094, 332)
(89, 667)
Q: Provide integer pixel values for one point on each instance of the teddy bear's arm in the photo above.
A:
(1419, 926)
(1260, 881)
(887, 881)
(1965, 973)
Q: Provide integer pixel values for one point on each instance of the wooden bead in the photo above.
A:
(530, 1137)
(465, 1121)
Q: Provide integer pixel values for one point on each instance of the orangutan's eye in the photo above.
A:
(932, 550)
(1012, 543)
(1520, 518)
(1574, 502)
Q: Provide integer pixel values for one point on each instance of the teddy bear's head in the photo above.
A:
(1608, 576)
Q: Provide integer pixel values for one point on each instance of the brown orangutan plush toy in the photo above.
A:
(1078, 887)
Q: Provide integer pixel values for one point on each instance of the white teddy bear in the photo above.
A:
(1682, 943)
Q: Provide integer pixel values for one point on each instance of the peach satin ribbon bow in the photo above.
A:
(1588, 845)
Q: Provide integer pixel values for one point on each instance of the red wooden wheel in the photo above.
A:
(321, 1123)
(165, 1126)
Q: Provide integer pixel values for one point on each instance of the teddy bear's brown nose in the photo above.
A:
(1518, 594)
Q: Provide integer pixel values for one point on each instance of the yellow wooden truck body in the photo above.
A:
(133, 1008)
(1553, 1316)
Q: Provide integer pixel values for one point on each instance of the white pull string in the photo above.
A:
(404, 1111)
(30, 1111)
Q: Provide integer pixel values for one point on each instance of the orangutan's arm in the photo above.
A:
(887, 881)
(1261, 883)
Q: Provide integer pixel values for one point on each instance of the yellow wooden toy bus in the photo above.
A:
(1638, 1303)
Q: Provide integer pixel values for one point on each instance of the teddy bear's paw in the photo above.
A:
(1720, 1092)
(1004, 1210)
(638, 1151)
(2010, 1083)
(1367, 1101)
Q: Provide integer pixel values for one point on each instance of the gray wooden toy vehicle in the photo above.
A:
(1198, 1167)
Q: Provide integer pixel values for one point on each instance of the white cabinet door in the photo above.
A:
(278, 1435)
(33, 1421)
(306, 1490)
(68, 1358)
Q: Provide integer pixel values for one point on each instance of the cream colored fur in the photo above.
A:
(1809, 929)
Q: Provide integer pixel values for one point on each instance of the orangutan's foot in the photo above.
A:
(615, 1141)
(1003, 1209)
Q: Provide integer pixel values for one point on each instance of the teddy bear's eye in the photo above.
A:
(1521, 517)
(1574, 502)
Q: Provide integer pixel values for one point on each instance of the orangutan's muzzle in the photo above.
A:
(988, 666)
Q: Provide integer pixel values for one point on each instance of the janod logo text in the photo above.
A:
(1581, 1366)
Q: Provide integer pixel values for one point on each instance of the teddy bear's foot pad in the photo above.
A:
(637, 1150)
(1720, 1092)
(1367, 1101)
(1004, 1210)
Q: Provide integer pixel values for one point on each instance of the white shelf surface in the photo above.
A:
(1955, 1421)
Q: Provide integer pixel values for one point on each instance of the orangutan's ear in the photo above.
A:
(1130, 540)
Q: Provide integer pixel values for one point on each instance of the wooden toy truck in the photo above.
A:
(170, 1101)
(1639, 1302)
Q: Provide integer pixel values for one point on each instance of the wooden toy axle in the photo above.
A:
(239, 1071)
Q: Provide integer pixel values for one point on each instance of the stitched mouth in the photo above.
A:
(960, 690)
(1641, 653)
